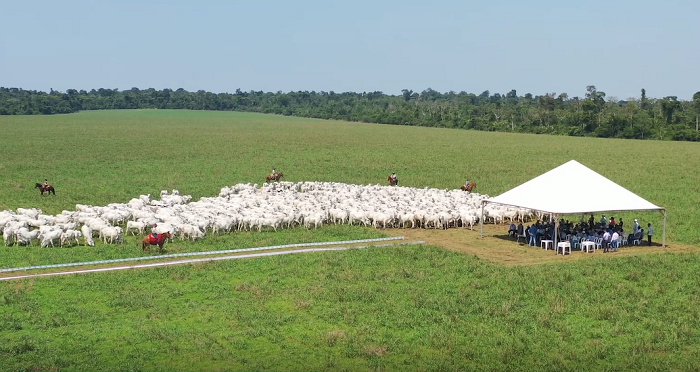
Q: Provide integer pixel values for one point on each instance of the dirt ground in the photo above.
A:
(497, 247)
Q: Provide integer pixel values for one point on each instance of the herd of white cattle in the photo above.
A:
(247, 207)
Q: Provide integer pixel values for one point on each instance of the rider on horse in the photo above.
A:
(46, 183)
(466, 183)
(394, 179)
(274, 174)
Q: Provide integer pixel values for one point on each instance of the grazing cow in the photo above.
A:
(136, 226)
(48, 237)
(87, 235)
(69, 236)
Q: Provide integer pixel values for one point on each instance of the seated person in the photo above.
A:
(512, 229)
(637, 235)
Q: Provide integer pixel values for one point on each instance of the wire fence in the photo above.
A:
(189, 254)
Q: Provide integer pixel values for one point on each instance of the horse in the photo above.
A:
(469, 187)
(47, 188)
(274, 178)
(391, 181)
(155, 239)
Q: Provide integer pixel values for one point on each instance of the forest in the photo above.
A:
(594, 115)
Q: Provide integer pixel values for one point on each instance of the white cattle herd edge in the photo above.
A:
(247, 207)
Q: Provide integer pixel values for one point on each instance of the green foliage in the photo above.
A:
(546, 114)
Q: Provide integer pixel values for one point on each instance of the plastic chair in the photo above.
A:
(576, 242)
(545, 244)
(598, 243)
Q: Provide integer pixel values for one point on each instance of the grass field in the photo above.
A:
(112, 156)
(410, 308)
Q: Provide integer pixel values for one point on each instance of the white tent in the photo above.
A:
(573, 188)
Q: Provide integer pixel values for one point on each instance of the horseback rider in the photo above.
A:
(154, 235)
(466, 183)
(46, 183)
(274, 174)
(393, 178)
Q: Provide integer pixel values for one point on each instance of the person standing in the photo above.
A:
(606, 241)
(590, 222)
(650, 231)
(533, 236)
(614, 241)
(635, 227)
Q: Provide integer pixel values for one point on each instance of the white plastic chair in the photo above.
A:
(598, 243)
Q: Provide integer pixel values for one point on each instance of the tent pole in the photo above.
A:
(663, 233)
(554, 243)
(481, 219)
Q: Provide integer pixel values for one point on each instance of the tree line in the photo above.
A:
(594, 115)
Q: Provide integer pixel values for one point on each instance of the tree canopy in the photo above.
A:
(595, 114)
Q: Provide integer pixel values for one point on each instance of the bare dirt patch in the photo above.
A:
(498, 248)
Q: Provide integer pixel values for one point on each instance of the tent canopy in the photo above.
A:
(572, 188)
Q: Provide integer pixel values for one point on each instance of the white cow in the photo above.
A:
(48, 237)
(69, 236)
(135, 226)
(87, 235)
(112, 234)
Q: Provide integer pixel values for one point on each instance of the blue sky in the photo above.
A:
(534, 46)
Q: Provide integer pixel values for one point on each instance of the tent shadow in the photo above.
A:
(509, 238)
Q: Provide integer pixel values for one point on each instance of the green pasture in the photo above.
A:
(100, 157)
(404, 308)
(411, 308)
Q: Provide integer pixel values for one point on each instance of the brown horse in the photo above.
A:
(155, 239)
(47, 188)
(274, 178)
(469, 188)
(391, 181)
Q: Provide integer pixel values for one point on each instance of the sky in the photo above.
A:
(533, 46)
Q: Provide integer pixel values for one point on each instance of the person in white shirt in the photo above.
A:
(614, 241)
(635, 228)
(606, 241)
